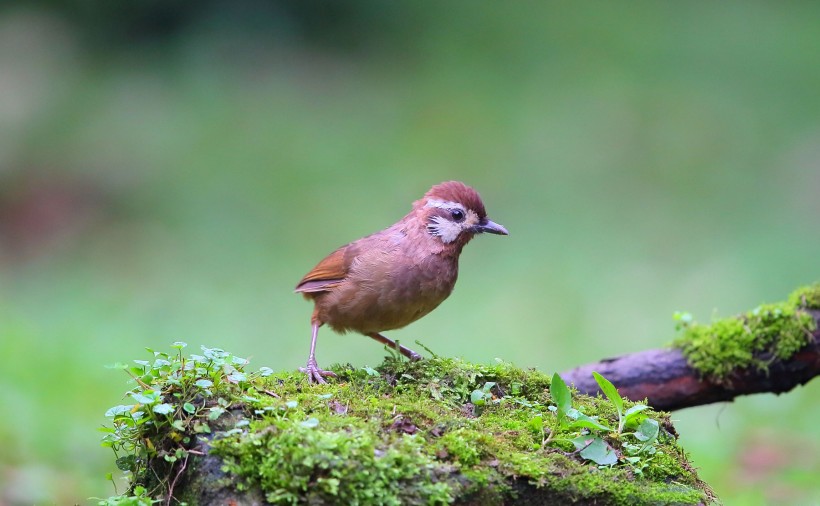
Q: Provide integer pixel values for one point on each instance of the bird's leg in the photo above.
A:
(315, 374)
(407, 352)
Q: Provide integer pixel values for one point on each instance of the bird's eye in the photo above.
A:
(457, 214)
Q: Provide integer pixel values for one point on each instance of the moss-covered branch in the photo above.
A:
(773, 348)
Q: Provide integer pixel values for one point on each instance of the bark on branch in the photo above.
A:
(668, 382)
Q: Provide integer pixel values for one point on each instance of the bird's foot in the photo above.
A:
(314, 373)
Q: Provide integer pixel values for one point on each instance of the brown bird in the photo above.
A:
(394, 277)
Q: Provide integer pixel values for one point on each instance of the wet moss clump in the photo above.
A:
(407, 433)
(807, 297)
(753, 340)
(437, 431)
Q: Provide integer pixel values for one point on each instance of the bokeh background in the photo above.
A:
(169, 171)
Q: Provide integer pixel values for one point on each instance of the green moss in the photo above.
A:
(406, 433)
(807, 297)
(295, 462)
(409, 436)
(752, 340)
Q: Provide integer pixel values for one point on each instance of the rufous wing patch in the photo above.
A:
(328, 273)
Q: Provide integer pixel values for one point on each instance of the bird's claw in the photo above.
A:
(314, 373)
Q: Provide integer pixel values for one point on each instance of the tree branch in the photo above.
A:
(668, 382)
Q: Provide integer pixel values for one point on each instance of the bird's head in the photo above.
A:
(453, 213)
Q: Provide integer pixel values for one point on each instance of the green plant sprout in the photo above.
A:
(624, 417)
(481, 397)
(589, 441)
(174, 396)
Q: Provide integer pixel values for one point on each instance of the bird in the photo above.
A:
(391, 278)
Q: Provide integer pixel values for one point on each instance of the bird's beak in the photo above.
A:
(490, 227)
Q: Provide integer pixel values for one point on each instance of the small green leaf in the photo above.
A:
(236, 377)
(637, 408)
(189, 408)
(146, 397)
(239, 361)
(119, 410)
(178, 425)
(632, 414)
(265, 371)
(581, 420)
(178, 345)
(164, 409)
(648, 430)
(291, 404)
(204, 383)
(477, 397)
(610, 391)
(560, 395)
(598, 451)
(310, 423)
(127, 463)
(212, 353)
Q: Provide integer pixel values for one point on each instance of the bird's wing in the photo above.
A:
(330, 272)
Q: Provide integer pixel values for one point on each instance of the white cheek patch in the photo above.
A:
(445, 229)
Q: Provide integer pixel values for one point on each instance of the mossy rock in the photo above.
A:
(437, 431)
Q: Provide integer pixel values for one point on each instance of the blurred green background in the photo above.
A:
(170, 170)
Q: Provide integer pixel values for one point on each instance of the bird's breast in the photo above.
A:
(388, 290)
